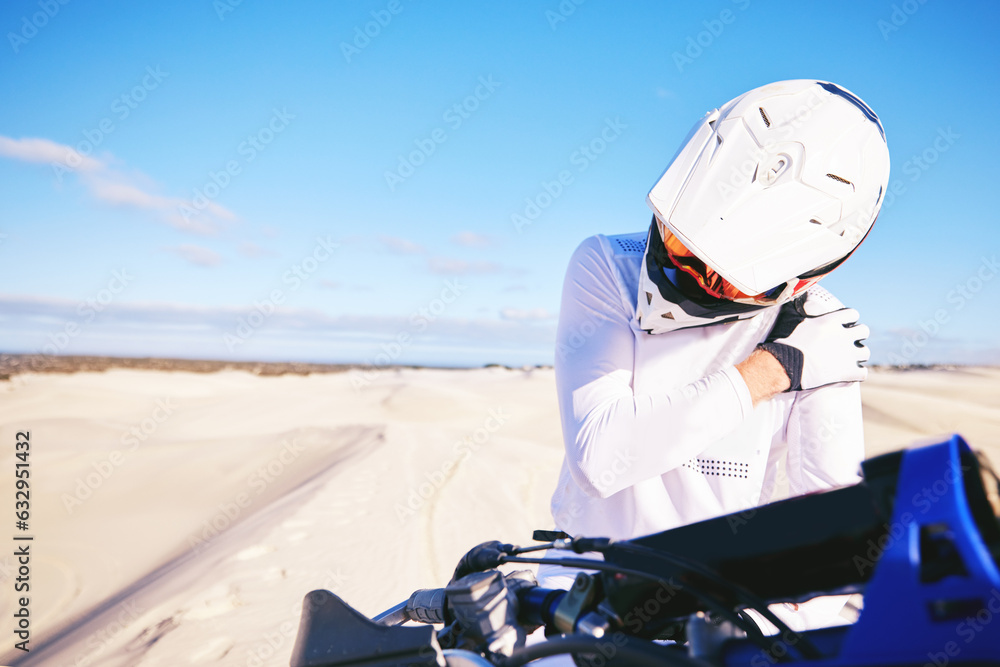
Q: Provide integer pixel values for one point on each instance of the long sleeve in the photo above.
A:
(825, 438)
(615, 438)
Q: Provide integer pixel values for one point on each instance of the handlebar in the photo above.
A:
(536, 606)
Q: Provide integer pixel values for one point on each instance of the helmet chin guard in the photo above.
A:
(777, 187)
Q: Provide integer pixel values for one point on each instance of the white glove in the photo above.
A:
(818, 341)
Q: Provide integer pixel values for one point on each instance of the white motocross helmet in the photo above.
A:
(773, 190)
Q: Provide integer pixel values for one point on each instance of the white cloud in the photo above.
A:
(42, 151)
(524, 315)
(401, 246)
(254, 251)
(908, 346)
(116, 188)
(472, 240)
(458, 267)
(198, 332)
(196, 254)
(33, 313)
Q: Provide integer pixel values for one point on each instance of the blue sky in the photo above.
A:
(264, 180)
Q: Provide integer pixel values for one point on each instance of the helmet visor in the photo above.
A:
(714, 284)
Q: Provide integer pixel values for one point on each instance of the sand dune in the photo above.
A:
(179, 517)
(901, 407)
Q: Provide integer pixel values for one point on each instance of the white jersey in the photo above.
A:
(660, 430)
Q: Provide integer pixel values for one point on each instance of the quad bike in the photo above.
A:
(918, 537)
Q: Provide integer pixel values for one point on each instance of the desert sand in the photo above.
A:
(179, 517)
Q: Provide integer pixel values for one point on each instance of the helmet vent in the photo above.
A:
(840, 180)
(767, 121)
(817, 222)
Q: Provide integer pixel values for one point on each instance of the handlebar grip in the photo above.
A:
(427, 606)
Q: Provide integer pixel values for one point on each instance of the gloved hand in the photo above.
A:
(818, 341)
(485, 556)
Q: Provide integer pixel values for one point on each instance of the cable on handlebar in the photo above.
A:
(769, 644)
(805, 646)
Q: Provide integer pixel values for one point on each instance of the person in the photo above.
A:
(692, 358)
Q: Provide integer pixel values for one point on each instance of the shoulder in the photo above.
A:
(619, 254)
(607, 267)
(627, 253)
(628, 245)
(820, 300)
(591, 263)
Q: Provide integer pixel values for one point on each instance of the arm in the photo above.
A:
(764, 375)
(825, 438)
(611, 434)
(820, 343)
